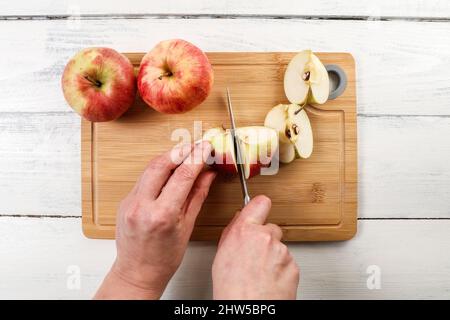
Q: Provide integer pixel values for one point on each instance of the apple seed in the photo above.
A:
(295, 128)
(288, 133)
(306, 75)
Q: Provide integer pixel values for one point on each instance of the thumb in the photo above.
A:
(256, 211)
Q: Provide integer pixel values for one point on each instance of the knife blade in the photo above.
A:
(237, 150)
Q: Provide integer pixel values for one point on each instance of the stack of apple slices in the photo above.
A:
(258, 145)
(305, 81)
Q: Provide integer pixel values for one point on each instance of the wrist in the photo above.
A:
(121, 285)
(150, 282)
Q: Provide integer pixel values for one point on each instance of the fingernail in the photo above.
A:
(263, 200)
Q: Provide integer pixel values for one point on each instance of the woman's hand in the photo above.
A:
(251, 262)
(155, 222)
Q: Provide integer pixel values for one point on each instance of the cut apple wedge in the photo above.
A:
(293, 127)
(302, 131)
(306, 79)
(258, 146)
(223, 156)
(209, 134)
(286, 152)
(276, 119)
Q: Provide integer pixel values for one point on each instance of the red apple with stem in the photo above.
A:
(99, 84)
(175, 76)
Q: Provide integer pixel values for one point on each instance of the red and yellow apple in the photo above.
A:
(99, 84)
(258, 146)
(175, 77)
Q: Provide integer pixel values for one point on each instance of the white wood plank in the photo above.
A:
(40, 164)
(36, 255)
(402, 67)
(398, 8)
(403, 165)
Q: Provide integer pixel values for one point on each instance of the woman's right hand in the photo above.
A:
(251, 262)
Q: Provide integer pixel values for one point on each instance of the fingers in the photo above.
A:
(274, 230)
(180, 183)
(159, 169)
(256, 211)
(198, 194)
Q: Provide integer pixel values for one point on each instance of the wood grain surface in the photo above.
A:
(312, 199)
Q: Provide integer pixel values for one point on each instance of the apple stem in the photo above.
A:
(306, 102)
(301, 108)
(95, 82)
(165, 74)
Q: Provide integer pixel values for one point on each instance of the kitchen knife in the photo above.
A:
(237, 150)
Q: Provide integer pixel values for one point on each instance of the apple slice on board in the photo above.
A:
(306, 79)
(293, 127)
(287, 152)
(301, 131)
(258, 147)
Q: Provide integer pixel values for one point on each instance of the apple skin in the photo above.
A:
(175, 77)
(99, 84)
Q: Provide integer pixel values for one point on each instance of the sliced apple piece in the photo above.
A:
(302, 131)
(294, 129)
(306, 79)
(222, 157)
(296, 78)
(286, 152)
(276, 119)
(210, 133)
(258, 145)
(319, 81)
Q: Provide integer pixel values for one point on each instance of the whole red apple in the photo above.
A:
(175, 76)
(99, 84)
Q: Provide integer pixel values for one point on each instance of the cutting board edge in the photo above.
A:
(344, 231)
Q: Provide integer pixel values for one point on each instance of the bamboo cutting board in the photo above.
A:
(313, 199)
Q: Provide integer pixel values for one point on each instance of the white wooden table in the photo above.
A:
(402, 52)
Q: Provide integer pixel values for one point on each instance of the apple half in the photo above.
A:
(306, 79)
(258, 145)
(294, 130)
